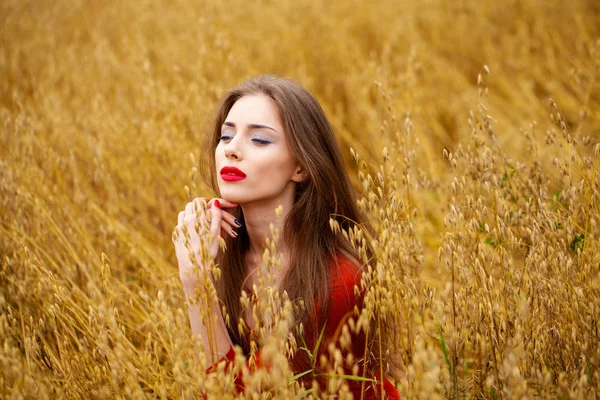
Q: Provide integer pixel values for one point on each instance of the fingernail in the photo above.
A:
(234, 233)
(217, 204)
(238, 223)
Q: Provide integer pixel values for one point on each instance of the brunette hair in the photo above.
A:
(326, 193)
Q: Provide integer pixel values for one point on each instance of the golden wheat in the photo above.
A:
(472, 132)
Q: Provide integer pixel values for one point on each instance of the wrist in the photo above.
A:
(189, 279)
(189, 287)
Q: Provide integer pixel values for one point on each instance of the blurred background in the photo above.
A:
(102, 103)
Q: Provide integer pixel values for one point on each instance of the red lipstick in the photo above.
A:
(231, 174)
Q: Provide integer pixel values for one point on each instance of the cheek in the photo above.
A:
(218, 157)
(281, 166)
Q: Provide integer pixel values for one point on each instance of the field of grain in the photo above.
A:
(471, 130)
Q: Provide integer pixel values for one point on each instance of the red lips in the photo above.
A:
(231, 174)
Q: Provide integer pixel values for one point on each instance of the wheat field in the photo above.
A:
(471, 130)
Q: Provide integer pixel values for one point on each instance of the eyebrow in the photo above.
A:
(251, 126)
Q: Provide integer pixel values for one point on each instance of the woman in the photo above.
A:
(272, 146)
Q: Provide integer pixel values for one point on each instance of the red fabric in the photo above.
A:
(345, 276)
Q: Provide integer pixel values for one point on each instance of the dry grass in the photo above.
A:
(483, 186)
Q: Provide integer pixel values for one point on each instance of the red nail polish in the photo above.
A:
(217, 204)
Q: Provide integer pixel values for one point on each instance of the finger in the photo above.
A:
(230, 219)
(198, 202)
(215, 223)
(176, 237)
(180, 217)
(223, 203)
(228, 229)
(189, 208)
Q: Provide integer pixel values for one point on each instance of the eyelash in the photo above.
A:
(256, 140)
(261, 141)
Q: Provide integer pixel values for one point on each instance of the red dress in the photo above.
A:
(345, 275)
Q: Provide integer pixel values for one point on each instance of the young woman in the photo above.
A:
(272, 146)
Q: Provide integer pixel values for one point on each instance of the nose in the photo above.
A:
(232, 151)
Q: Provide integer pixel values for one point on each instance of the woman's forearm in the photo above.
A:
(220, 342)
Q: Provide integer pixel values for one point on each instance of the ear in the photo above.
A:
(299, 175)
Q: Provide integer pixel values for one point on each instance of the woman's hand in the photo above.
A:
(200, 224)
(208, 223)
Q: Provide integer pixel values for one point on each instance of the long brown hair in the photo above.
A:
(326, 193)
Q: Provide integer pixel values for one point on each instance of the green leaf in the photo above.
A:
(349, 377)
(300, 375)
(578, 242)
(557, 195)
(558, 225)
(305, 348)
(318, 343)
(493, 393)
(445, 350)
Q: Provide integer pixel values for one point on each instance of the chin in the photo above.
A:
(233, 195)
(234, 199)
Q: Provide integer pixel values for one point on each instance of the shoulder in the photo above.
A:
(345, 273)
(345, 282)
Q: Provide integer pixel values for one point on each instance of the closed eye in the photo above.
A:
(225, 138)
(260, 141)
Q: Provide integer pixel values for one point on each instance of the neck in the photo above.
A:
(258, 218)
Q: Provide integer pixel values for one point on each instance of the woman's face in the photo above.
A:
(253, 158)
